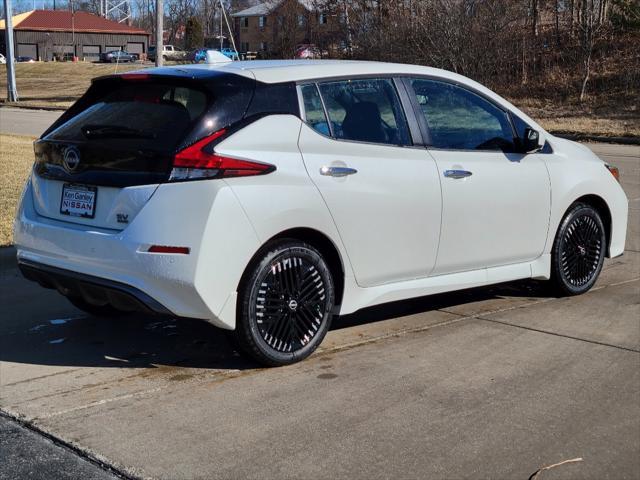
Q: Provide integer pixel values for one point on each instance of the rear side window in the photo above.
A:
(152, 116)
(313, 110)
(459, 119)
(366, 110)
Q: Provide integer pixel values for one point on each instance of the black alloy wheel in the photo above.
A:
(579, 250)
(286, 303)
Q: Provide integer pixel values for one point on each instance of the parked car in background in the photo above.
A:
(2, 59)
(308, 52)
(267, 196)
(169, 52)
(119, 56)
(230, 53)
(24, 59)
(199, 55)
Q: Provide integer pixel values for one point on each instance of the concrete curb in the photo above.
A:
(585, 137)
(33, 107)
(8, 258)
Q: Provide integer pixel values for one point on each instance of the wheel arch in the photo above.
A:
(600, 205)
(318, 240)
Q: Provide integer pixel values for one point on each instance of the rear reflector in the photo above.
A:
(200, 161)
(168, 249)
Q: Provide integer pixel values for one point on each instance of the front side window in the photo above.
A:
(366, 110)
(262, 21)
(244, 21)
(323, 19)
(459, 119)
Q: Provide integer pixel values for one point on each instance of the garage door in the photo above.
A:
(28, 50)
(135, 48)
(91, 52)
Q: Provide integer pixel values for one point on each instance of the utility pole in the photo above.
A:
(12, 91)
(159, 31)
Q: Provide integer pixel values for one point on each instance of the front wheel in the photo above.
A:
(285, 305)
(578, 250)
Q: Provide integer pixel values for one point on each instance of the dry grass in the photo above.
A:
(58, 84)
(16, 159)
(598, 117)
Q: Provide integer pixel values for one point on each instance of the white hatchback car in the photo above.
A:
(266, 197)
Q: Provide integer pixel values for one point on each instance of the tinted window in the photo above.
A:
(313, 111)
(365, 110)
(462, 120)
(155, 116)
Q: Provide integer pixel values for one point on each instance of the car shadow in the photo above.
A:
(387, 311)
(138, 341)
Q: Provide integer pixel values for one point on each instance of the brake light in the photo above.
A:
(614, 171)
(199, 161)
(135, 76)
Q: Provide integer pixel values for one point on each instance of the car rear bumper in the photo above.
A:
(93, 290)
(118, 266)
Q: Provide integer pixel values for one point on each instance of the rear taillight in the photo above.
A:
(614, 171)
(200, 161)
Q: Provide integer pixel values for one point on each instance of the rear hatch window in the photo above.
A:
(153, 118)
(125, 132)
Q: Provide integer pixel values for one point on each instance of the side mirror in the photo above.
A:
(531, 141)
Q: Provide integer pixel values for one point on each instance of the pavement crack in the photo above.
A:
(102, 402)
(80, 452)
(29, 380)
(555, 334)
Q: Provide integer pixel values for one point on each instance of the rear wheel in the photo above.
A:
(578, 251)
(285, 305)
(95, 310)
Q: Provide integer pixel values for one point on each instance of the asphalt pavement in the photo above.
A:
(28, 454)
(22, 121)
(494, 382)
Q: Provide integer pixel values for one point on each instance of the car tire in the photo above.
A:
(578, 251)
(95, 310)
(164, 57)
(285, 304)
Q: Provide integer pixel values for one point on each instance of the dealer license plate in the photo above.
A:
(78, 200)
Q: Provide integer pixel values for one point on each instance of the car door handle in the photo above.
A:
(337, 171)
(457, 173)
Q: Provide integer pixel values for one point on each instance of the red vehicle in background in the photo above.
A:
(308, 52)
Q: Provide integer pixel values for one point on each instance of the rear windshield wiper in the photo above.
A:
(114, 131)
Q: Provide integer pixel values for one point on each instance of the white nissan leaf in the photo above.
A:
(267, 197)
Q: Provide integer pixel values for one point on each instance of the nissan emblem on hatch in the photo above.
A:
(71, 159)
